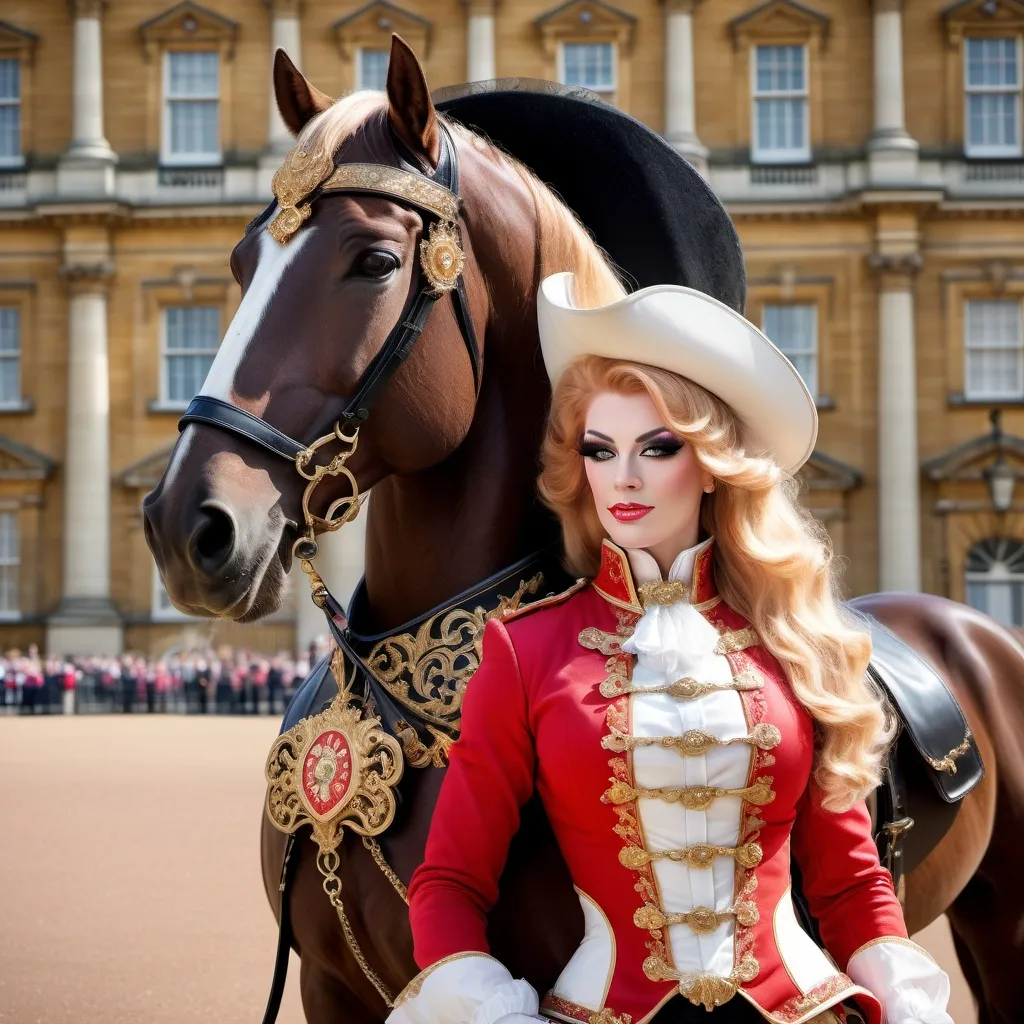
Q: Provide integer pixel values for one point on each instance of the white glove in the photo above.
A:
(909, 984)
(522, 1018)
(913, 1006)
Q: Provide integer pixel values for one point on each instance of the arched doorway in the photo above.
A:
(995, 579)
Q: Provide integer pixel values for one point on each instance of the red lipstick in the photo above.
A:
(630, 512)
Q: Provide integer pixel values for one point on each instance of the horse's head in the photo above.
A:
(316, 309)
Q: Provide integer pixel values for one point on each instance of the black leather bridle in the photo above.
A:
(396, 348)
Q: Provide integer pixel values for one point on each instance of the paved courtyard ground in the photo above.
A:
(130, 888)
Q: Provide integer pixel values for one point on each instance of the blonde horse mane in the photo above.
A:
(564, 243)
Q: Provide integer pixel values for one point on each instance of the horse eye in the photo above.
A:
(377, 264)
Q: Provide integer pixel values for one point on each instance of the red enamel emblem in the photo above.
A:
(327, 771)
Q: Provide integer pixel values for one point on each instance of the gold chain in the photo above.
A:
(389, 873)
(328, 864)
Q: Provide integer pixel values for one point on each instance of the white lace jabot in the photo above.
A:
(673, 639)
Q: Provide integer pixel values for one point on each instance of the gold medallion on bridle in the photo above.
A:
(335, 769)
(296, 179)
(441, 256)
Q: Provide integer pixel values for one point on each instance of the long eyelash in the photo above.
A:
(590, 449)
(667, 448)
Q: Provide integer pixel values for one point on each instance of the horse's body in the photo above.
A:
(453, 476)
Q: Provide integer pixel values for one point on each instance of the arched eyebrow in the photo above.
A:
(656, 432)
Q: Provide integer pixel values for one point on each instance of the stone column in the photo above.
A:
(480, 19)
(285, 34)
(86, 621)
(680, 92)
(899, 516)
(87, 167)
(892, 153)
(340, 564)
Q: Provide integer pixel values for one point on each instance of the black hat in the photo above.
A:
(645, 205)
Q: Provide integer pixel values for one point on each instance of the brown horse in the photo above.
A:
(453, 475)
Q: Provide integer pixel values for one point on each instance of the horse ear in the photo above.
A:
(410, 108)
(297, 100)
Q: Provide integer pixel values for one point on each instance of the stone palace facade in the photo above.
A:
(870, 152)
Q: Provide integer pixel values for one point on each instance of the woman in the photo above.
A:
(694, 713)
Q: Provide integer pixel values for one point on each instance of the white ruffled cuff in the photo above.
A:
(468, 988)
(909, 984)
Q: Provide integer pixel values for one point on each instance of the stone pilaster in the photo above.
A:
(285, 34)
(892, 153)
(680, 91)
(86, 621)
(480, 24)
(87, 167)
(899, 516)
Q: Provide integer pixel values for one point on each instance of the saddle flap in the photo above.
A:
(929, 713)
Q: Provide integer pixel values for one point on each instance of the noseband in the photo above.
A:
(302, 178)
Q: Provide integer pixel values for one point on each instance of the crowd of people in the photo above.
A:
(194, 682)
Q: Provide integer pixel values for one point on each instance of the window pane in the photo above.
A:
(991, 63)
(795, 330)
(10, 329)
(781, 124)
(10, 130)
(10, 379)
(193, 327)
(10, 79)
(194, 127)
(193, 74)
(9, 561)
(589, 65)
(185, 376)
(992, 119)
(373, 69)
(780, 69)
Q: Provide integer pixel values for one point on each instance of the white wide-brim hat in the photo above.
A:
(696, 336)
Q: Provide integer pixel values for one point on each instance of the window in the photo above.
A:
(10, 112)
(995, 579)
(992, 85)
(372, 70)
(10, 355)
(993, 349)
(781, 129)
(191, 108)
(795, 330)
(590, 65)
(191, 339)
(10, 564)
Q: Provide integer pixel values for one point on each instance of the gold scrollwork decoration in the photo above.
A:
(334, 770)
(427, 671)
(948, 763)
(294, 181)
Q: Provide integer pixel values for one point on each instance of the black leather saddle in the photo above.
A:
(934, 762)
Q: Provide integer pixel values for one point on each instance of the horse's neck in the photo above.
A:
(477, 512)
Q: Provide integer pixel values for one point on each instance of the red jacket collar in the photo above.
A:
(614, 580)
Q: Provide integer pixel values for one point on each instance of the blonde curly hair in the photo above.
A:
(772, 559)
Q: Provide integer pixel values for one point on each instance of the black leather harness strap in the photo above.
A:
(284, 939)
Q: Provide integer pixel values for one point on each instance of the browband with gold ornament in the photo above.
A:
(303, 173)
(393, 182)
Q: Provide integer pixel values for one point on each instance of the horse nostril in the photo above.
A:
(213, 539)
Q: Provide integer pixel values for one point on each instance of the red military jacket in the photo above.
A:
(551, 688)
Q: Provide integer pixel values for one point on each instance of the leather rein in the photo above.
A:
(302, 178)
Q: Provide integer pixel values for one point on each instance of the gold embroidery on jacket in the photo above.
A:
(732, 640)
(694, 742)
(687, 688)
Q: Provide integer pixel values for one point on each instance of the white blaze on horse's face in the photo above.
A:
(274, 259)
